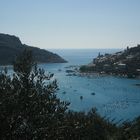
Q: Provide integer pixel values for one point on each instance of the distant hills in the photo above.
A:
(125, 63)
(11, 46)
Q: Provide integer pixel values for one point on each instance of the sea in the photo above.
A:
(115, 98)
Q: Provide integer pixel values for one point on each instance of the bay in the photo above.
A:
(114, 97)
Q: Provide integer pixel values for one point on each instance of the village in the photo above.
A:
(124, 63)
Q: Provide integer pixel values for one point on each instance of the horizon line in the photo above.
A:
(79, 48)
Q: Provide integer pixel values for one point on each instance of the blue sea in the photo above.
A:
(115, 97)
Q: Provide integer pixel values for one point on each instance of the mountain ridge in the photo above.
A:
(11, 46)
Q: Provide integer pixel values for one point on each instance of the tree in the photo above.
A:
(30, 110)
(29, 107)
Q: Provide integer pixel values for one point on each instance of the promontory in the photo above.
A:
(11, 46)
(124, 63)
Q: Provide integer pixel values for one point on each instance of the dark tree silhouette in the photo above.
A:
(29, 108)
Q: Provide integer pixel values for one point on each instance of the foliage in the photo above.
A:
(30, 109)
(85, 68)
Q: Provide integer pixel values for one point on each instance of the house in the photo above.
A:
(106, 67)
(138, 71)
(121, 66)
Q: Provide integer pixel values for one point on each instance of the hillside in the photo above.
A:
(125, 63)
(11, 45)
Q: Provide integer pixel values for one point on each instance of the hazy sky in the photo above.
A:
(72, 23)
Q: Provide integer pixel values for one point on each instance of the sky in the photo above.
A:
(75, 24)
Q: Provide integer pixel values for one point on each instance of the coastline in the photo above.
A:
(75, 71)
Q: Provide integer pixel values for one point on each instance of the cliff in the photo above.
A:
(11, 45)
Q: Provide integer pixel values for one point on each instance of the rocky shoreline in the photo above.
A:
(95, 74)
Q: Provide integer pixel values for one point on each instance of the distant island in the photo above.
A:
(124, 63)
(11, 45)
